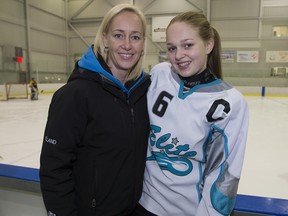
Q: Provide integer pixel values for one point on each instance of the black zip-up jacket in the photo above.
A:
(95, 144)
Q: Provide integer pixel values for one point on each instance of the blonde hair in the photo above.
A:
(104, 27)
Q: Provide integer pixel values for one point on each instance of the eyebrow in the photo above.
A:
(133, 32)
(182, 41)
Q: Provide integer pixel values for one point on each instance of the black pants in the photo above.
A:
(141, 211)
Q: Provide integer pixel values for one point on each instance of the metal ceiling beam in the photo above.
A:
(81, 9)
(78, 33)
(196, 6)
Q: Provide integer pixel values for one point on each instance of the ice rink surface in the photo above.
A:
(265, 171)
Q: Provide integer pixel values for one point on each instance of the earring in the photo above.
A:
(142, 53)
(106, 49)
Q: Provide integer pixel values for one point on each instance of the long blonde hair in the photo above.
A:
(104, 27)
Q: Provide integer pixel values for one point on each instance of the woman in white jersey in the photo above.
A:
(199, 127)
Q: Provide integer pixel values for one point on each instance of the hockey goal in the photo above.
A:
(11, 90)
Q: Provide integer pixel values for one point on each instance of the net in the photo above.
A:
(3, 92)
(11, 90)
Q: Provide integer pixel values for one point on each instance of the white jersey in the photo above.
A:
(196, 146)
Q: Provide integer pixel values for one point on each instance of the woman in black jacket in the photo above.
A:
(94, 147)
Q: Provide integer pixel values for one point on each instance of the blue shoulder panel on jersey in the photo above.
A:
(18, 172)
(222, 203)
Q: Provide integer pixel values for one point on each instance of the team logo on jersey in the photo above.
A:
(171, 156)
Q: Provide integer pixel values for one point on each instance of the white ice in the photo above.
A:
(265, 170)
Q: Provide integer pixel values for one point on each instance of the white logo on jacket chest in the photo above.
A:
(51, 141)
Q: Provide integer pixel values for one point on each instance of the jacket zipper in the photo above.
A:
(131, 109)
(133, 128)
(133, 117)
(93, 202)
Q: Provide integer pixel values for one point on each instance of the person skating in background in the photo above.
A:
(34, 89)
(95, 142)
(199, 127)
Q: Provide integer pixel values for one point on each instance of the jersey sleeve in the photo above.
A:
(224, 160)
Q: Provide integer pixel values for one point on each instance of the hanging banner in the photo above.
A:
(277, 56)
(248, 56)
(227, 56)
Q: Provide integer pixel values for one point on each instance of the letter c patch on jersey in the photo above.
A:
(219, 109)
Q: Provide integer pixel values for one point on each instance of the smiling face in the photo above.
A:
(187, 51)
(125, 43)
